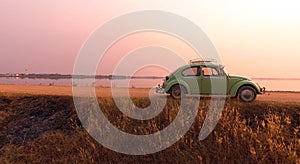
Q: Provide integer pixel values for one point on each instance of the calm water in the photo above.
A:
(280, 85)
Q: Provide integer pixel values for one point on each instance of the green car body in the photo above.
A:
(209, 79)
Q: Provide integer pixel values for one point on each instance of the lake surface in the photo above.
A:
(271, 85)
(280, 85)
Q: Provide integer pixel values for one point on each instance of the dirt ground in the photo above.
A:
(67, 90)
(135, 92)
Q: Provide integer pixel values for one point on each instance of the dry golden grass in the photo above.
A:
(44, 129)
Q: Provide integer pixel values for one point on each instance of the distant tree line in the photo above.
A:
(69, 76)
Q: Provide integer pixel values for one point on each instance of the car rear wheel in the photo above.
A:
(247, 94)
(177, 91)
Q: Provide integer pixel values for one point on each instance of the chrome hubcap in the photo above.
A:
(177, 92)
(247, 95)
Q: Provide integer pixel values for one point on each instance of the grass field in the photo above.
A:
(40, 128)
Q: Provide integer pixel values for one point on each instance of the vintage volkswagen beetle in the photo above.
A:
(201, 75)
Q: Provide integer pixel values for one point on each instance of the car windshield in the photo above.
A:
(221, 69)
(173, 72)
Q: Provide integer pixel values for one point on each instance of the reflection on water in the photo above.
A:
(274, 85)
(280, 85)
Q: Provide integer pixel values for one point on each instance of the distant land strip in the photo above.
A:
(265, 78)
(69, 76)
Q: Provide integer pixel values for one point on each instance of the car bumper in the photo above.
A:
(263, 90)
(160, 90)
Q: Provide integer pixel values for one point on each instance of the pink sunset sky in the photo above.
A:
(254, 38)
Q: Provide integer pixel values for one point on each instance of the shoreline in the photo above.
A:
(60, 90)
(69, 86)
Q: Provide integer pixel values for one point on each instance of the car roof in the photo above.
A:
(203, 64)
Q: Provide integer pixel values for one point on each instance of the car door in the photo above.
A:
(212, 81)
(191, 76)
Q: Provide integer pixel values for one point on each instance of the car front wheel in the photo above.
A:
(247, 94)
(177, 91)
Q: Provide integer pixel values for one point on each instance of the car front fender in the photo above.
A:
(233, 91)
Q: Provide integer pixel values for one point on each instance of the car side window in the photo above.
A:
(193, 71)
(210, 71)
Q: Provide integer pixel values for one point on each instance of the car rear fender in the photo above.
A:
(176, 82)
